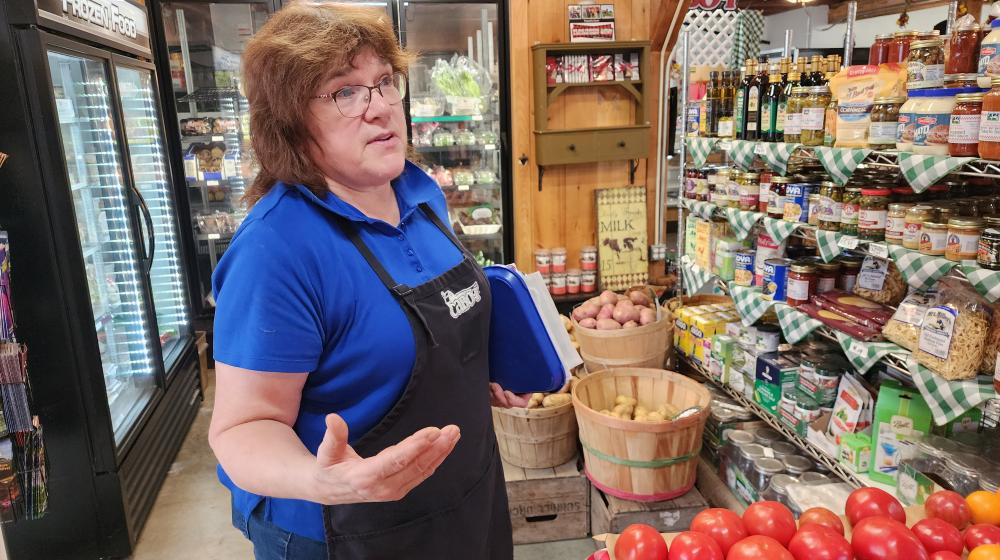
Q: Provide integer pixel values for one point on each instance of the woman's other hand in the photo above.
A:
(505, 399)
(343, 476)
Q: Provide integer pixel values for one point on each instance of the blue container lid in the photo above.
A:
(522, 356)
(995, 23)
(943, 92)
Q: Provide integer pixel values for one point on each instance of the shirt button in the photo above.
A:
(401, 238)
(420, 269)
(409, 252)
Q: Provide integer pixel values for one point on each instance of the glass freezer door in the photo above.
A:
(80, 88)
(149, 170)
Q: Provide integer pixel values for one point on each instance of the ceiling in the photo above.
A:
(775, 6)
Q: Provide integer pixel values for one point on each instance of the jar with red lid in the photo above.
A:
(963, 134)
(963, 52)
(802, 281)
(879, 53)
(989, 123)
(899, 46)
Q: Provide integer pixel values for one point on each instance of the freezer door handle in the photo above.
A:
(149, 245)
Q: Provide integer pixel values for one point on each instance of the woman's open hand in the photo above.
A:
(342, 476)
(505, 399)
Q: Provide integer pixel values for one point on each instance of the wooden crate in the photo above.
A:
(609, 514)
(548, 504)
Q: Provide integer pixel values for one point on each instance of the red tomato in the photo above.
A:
(822, 516)
(771, 519)
(949, 506)
(695, 546)
(945, 555)
(937, 534)
(758, 547)
(640, 542)
(600, 555)
(882, 538)
(724, 526)
(981, 533)
(819, 542)
(870, 502)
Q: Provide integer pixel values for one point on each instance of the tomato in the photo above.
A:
(724, 526)
(937, 534)
(695, 546)
(819, 542)
(882, 538)
(600, 555)
(949, 506)
(822, 516)
(985, 507)
(640, 542)
(985, 552)
(945, 555)
(771, 519)
(758, 547)
(870, 502)
(981, 534)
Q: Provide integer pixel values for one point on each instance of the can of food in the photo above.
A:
(787, 411)
(767, 248)
(776, 279)
(744, 273)
(543, 261)
(588, 281)
(559, 259)
(807, 410)
(797, 202)
(558, 285)
(573, 281)
(588, 257)
(768, 338)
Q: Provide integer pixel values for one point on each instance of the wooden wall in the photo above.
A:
(562, 214)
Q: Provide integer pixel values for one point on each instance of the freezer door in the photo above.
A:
(151, 176)
(118, 298)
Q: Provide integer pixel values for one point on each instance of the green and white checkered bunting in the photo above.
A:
(795, 324)
(949, 399)
(742, 153)
(863, 355)
(779, 230)
(840, 163)
(695, 277)
(701, 208)
(828, 243)
(923, 171)
(920, 271)
(750, 303)
(986, 282)
(746, 39)
(776, 155)
(700, 149)
(742, 221)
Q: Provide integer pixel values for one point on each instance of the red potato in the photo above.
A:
(596, 300)
(605, 312)
(630, 325)
(625, 313)
(608, 325)
(586, 311)
(608, 297)
(639, 298)
(589, 323)
(647, 316)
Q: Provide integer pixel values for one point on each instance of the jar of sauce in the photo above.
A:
(749, 191)
(884, 122)
(963, 134)
(873, 213)
(850, 267)
(988, 255)
(963, 51)
(933, 238)
(802, 281)
(899, 46)
(879, 52)
(963, 239)
(895, 222)
(989, 123)
(913, 223)
(961, 80)
(925, 64)
(826, 276)
(849, 213)
(776, 202)
(904, 194)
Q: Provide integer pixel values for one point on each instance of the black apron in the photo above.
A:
(461, 510)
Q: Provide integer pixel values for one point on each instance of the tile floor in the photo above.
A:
(191, 517)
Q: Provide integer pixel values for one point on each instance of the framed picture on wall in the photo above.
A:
(622, 243)
(590, 23)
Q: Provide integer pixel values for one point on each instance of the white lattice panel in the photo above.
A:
(720, 37)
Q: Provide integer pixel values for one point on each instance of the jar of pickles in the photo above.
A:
(925, 64)
(814, 115)
(849, 213)
(913, 223)
(793, 114)
(896, 222)
(776, 201)
(873, 213)
(831, 206)
(884, 122)
(749, 190)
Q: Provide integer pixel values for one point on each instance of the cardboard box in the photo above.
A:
(856, 452)
(901, 414)
(703, 244)
(775, 375)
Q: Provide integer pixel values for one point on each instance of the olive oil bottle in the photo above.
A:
(755, 89)
(769, 107)
(740, 109)
(727, 93)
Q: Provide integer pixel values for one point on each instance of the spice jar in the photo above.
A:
(831, 206)
(884, 122)
(989, 123)
(895, 222)
(873, 213)
(776, 201)
(963, 134)
(963, 238)
(849, 269)
(989, 53)
(802, 280)
(988, 255)
(933, 238)
(793, 114)
(826, 276)
(814, 115)
(749, 190)
(899, 46)
(849, 214)
(914, 221)
(925, 64)
(963, 50)
(879, 51)
(961, 80)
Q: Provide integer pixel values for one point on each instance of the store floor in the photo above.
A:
(191, 517)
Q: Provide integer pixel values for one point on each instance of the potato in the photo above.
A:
(605, 412)
(647, 316)
(608, 297)
(622, 399)
(586, 311)
(608, 325)
(630, 325)
(596, 300)
(654, 417)
(639, 298)
(606, 312)
(552, 401)
(567, 323)
(588, 324)
(641, 411)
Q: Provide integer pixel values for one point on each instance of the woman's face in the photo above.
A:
(362, 152)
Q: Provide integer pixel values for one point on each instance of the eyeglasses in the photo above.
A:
(353, 101)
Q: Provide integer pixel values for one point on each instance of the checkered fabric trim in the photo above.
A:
(986, 282)
(923, 171)
(776, 155)
(702, 209)
(863, 355)
(840, 163)
(746, 42)
(949, 399)
(695, 277)
(920, 271)
(741, 152)
(795, 324)
(742, 222)
(750, 302)
(700, 149)
(828, 243)
(779, 230)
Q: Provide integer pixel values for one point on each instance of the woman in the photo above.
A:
(352, 403)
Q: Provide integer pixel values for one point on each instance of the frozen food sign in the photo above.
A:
(102, 13)
(122, 21)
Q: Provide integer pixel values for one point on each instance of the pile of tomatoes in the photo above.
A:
(768, 531)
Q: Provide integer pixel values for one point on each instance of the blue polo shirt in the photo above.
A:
(294, 295)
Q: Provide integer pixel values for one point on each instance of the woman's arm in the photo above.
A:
(252, 437)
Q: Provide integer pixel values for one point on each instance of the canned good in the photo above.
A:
(786, 410)
(543, 261)
(743, 275)
(776, 279)
(588, 258)
(558, 286)
(573, 281)
(807, 410)
(588, 281)
(797, 202)
(767, 248)
(559, 259)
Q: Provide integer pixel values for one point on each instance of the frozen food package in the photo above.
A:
(955, 330)
(904, 326)
(855, 88)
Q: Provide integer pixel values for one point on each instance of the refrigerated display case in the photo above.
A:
(102, 303)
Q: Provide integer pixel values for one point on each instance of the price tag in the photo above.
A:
(463, 187)
(212, 183)
(880, 250)
(848, 242)
(725, 145)
(214, 236)
(759, 149)
(217, 139)
(490, 146)
(858, 350)
(476, 117)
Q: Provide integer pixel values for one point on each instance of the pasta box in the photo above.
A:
(775, 375)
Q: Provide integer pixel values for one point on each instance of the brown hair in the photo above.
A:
(298, 49)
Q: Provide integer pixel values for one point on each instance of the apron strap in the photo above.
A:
(432, 215)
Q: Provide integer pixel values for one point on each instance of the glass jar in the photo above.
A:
(748, 453)
(873, 213)
(782, 449)
(814, 115)
(850, 267)
(933, 238)
(963, 134)
(884, 122)
(767, 436)
(764, 468)
(802, 281)
(907, 122)
(961, 471)
(777, 491)
(879, 51)
(813, 209)
(797, 465)
(899, 46)
(988, 480)
(961, 80)
(849, 213)
(933, 121)
(764, 192)
(989, 124)
(988, 256)
(963, 238)
(963, 50)
(830, 123)
(749, 189)
(826, 276)
(895, 222)
(793, 114)
(776, 201)
(905, 194)
(831, 206)
(913, 222)
(925, 64)
(730, 453)
(989, 54)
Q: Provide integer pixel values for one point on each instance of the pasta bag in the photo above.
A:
(954, 331)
